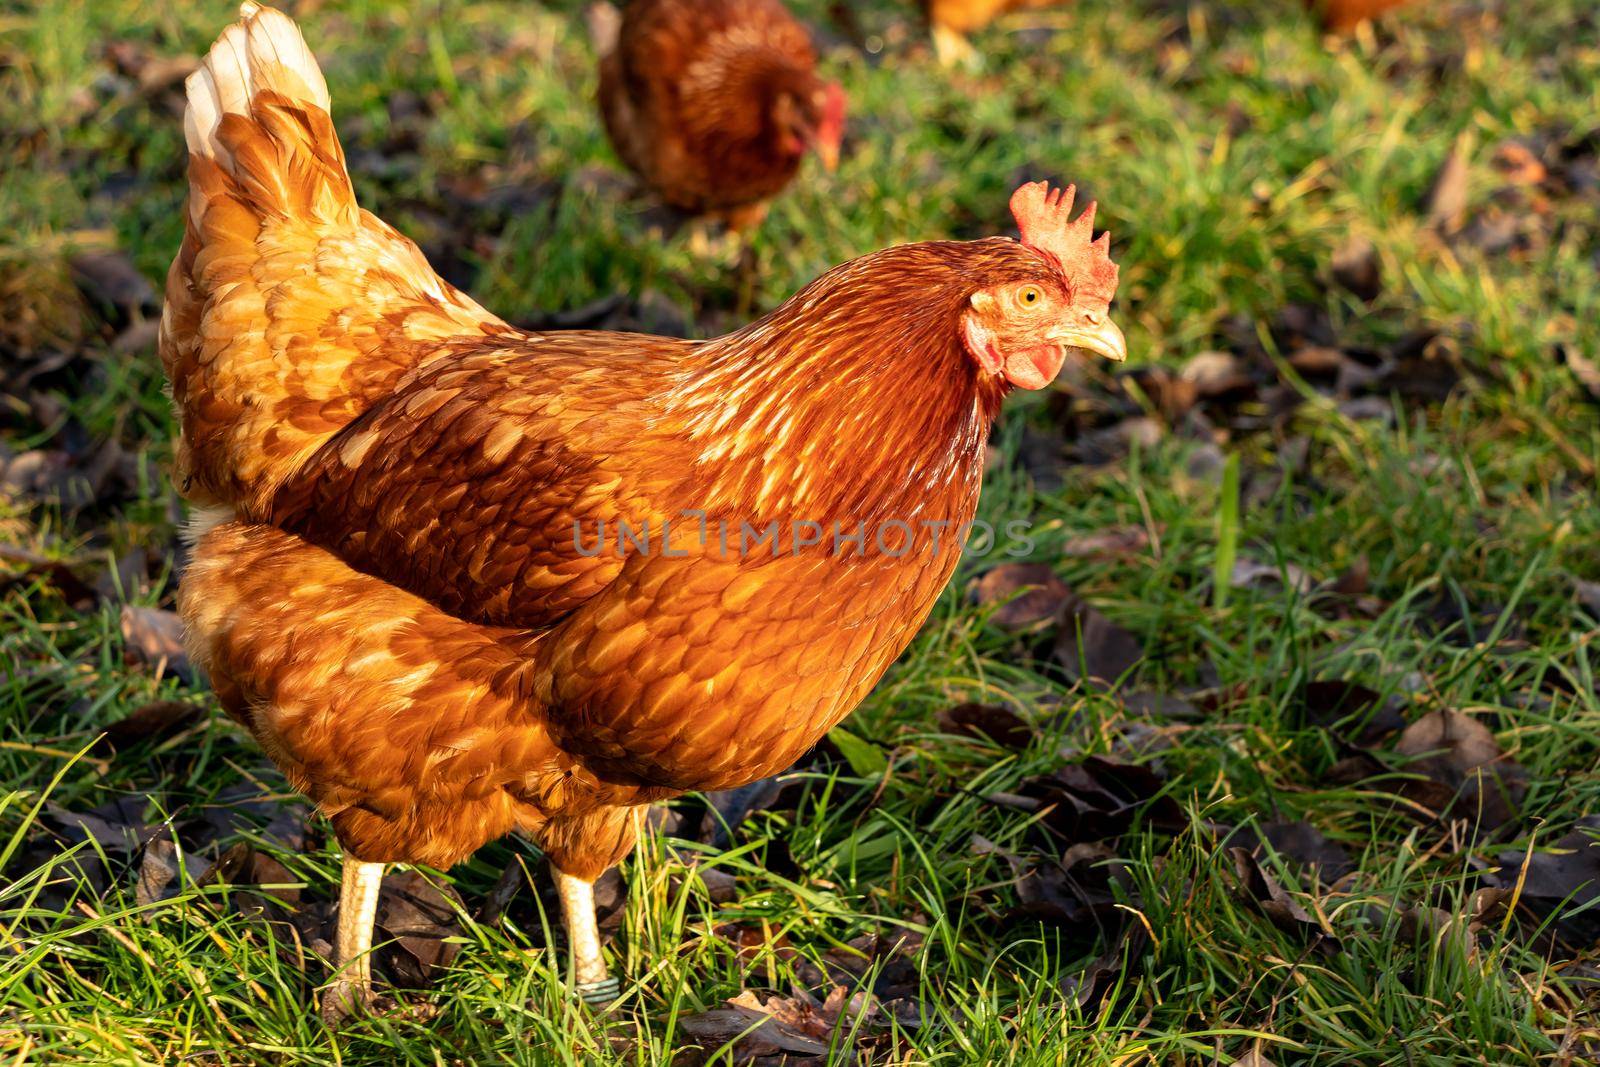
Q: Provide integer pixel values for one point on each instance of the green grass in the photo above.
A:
(1232, 154)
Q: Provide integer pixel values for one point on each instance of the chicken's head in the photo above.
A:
(812, 120)
(1056, 297)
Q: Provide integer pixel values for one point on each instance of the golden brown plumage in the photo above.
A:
(950, 21)
(714, 103)
(1343, 16)
(411, 585)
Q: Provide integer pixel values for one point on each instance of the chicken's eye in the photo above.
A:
(1029, 296)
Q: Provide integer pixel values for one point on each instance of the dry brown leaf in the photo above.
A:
(1089, 645)
(149, 722)
(1286, 913)
(154, 637)
(1001, 725)
(1112, 541)
(1584, 369)
(421, 919)
(1356, 268)
(1446, 202)
(109, 279)
(1253, 574)
(1024, 595)
(1464, 774)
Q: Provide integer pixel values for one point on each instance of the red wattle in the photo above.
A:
(1035, 368)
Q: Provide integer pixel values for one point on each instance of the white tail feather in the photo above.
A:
(264, 50)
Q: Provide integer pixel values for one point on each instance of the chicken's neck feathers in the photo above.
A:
(854, 401)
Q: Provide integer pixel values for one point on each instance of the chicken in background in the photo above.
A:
(714, 103)
(950, 21)
(408, 580)
(1344, 16)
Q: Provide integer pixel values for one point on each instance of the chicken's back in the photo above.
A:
(288, 309)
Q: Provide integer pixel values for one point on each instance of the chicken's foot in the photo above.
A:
(351, 990)
(583, 940)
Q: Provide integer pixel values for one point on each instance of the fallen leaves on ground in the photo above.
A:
(1091, 986)
(894, 953)
(154, 638)
(1023, 595)
(1029, 597)
(111, 281)
(1079, 893)
(1355, 267)
(153, 722)
(1464, 775)
(1257, 884)
(1095, 799)
(1585, 371)
(1254, 574)
(1446, 199)
(1253, 1057)
(1560, 880)
(157, 76)
(164, 860)
(798, 1027)
(116, 830)
(420, 919)
(1445, 764)
(1090, 646)
(1356, 714)
(1001, 725)
(1589, 597)
(1298, 842)
(202, 842)
(1112, 542)
(23, 566)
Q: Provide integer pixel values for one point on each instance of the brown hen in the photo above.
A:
(950, 21)
(1343, 16)
(714, 103)
(461, 579)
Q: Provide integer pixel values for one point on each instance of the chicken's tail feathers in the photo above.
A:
(259, 111)
(289, 311)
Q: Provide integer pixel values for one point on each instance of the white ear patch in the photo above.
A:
(982, 342)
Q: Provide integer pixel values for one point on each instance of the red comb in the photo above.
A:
(1044, 217)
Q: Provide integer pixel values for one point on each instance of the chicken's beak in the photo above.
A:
(828, 154)
(830, 127)
(1102, 337)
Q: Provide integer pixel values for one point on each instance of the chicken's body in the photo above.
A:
(413, 585)
(713, 103)
(950, 21)
(1344, 16)
(484, 672)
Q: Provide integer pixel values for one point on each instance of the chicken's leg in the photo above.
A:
(953, 49)
(351, 990)
(583, 939)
